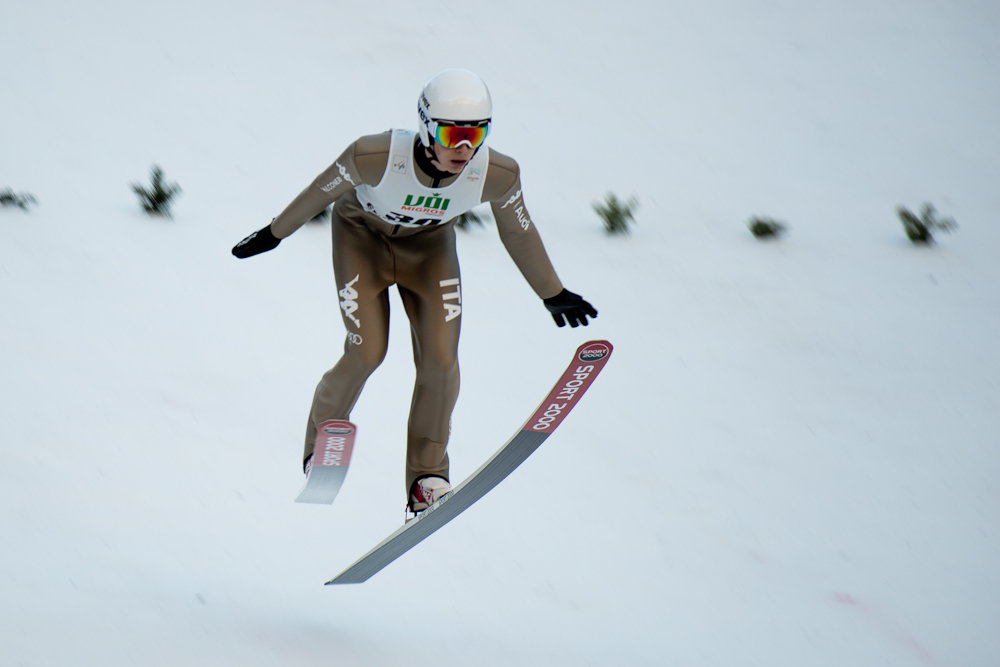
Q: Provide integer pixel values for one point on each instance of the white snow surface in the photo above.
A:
(791, 458)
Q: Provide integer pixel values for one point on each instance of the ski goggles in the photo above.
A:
(452, 135)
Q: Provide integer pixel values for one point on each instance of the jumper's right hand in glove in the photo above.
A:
(571, 306)
(260, 241)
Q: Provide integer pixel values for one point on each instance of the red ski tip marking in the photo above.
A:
(334, 443)
(574, 382)
(330, 459)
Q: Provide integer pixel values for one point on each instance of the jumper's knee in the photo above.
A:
(438, 370)
(364, 355)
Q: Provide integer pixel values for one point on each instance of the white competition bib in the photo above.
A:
(400, 199)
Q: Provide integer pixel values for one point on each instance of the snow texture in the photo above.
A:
(792, 458)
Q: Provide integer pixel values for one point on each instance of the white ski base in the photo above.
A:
(322, 484)
(437, 515)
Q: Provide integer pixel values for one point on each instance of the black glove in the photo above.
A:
(260, 241)
(570, 305)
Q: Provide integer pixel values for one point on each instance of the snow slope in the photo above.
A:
(790, 460)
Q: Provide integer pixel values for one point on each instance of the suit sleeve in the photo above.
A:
(336, 180)
(517, 232)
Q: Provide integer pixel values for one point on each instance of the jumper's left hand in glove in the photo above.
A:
(571, 306)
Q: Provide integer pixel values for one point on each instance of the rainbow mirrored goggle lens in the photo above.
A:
(451, 136)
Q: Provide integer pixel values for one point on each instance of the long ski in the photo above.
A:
(588, 361)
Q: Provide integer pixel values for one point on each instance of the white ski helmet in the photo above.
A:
(456, 96)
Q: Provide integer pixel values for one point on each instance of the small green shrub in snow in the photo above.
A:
(9, 198)
(323, 215)
(921, 229)
(156, 200)
(468, 219)
(766, 228)
(616, 214)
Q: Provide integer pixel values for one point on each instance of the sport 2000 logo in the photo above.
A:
(593, 352)
(338, 430)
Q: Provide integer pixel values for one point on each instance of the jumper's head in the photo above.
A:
(454, 109)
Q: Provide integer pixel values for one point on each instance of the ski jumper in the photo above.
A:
(393, 224)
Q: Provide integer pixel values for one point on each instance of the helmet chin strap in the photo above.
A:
(425, 162)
